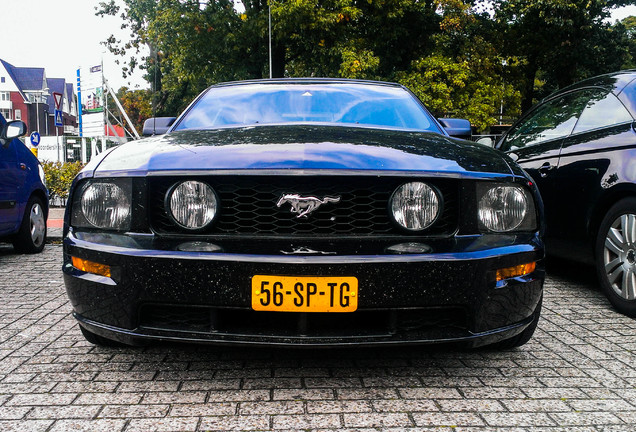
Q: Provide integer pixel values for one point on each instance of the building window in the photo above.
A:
(2, 80)
(6, 113)
(5, 96)
(18, 114)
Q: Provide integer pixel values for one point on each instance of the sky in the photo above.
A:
(63, 35)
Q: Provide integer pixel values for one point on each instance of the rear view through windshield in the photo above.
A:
(365, 105)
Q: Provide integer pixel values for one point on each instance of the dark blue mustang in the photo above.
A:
(305, 212)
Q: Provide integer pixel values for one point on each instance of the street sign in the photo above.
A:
(57, 97)
(35, 139)
(59, 121)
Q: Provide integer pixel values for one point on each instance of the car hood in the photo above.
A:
(302, 148)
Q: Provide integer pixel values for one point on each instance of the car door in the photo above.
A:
(535, 143)
(594, 158)
(10, 178)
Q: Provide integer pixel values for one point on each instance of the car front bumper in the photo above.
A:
(179, 290)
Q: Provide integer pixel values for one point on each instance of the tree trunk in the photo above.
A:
(278, 61)
(528, 88)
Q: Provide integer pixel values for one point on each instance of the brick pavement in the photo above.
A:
(577, 374)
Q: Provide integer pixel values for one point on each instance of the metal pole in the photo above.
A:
(122, 110)
(57, 143)
(270, 40)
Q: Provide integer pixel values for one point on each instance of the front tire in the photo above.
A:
(98, 340)
(523, 337)
(615, 256)
(32, 234)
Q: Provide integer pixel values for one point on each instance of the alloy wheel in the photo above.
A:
(619, 256)
(37, 225)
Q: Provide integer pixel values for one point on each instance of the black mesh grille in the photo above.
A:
(248, 205)
(248, 322)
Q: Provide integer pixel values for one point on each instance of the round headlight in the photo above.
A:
(415, 206)
(106, 205)
(192, 204)
(503, 208)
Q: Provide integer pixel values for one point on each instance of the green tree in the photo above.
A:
(629, 25)
(136, 103)
(463, 58)
(561, 41)
(465, 76)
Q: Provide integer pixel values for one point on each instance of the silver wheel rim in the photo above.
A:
(619, 256)
(38, 225)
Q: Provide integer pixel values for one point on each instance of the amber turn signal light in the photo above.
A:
(516, 271)
(91, 267)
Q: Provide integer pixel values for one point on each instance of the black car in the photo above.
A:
(579, 145)
(308, 213)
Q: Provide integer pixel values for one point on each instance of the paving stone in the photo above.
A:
(275, 407)
(134, 411)
(13, 412)
(340, 406)
(448, 420)
(405, 405)
(586, 418)
(99, 425)
(173, 397)
(66, 412)
(235, 423)
(296, 422)
(518, 419)
(163, 425)
(41, 399)
(25, 425)
(205, 409)
(303, 394)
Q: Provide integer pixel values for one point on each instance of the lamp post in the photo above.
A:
(269, 13)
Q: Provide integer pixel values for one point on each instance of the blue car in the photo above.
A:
(23, 194)
(308, 213)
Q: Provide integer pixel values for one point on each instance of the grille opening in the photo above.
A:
(246, 322)
(247, 205)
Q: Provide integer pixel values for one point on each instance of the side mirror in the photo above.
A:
(11, 130)
(458, 128)
(157, 125)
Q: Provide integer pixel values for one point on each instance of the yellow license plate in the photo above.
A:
(304, 293)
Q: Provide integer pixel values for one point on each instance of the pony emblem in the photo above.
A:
(304, 205)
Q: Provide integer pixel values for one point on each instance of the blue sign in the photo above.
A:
(35, 139)
(59, 121)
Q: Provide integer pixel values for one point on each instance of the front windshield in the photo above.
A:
(352, 104)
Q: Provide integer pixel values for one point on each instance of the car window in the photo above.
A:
(603, 109)
(628, 96)
(554, 119)
(350, 104)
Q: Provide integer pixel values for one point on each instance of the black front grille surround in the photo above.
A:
(247, 206)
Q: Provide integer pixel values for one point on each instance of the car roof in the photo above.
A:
(615, 81)
(308, 81)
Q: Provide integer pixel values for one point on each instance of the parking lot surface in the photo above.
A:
(577, 374)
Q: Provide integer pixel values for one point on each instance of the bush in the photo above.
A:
(59, 177)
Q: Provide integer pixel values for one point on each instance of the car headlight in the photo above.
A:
(104, 204)
(192, 204)
(504, 208)
(415, 206)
